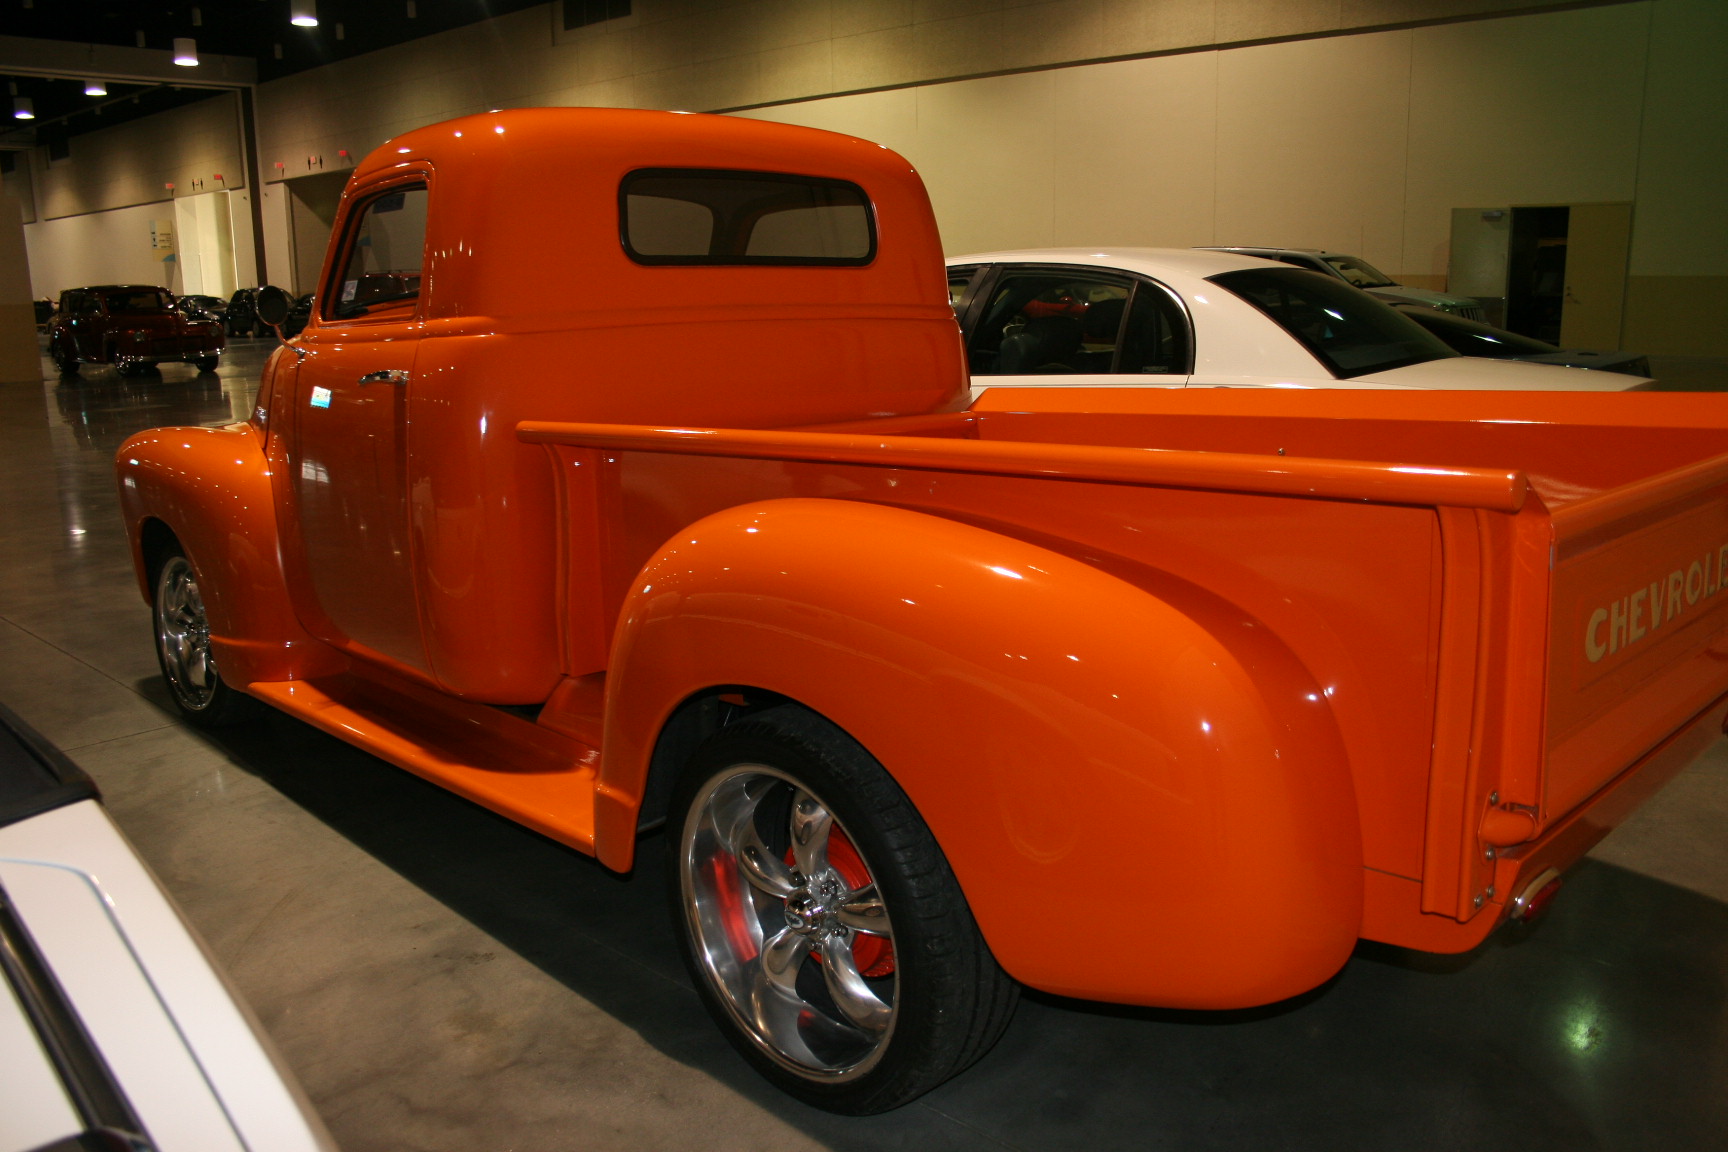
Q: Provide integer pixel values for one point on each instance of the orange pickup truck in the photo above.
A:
(625, 476)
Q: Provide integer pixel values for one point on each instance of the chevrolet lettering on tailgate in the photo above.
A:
(1635, 615)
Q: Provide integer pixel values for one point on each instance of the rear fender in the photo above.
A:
(210, 488)
(1144, 803)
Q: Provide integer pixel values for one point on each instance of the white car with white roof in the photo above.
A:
(1183, 317)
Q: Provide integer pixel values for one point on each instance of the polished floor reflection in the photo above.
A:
(441, 979)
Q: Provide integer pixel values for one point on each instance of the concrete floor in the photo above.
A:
(441, 979)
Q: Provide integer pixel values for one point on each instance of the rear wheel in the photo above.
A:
(206, 363)
(183, 650)
(821, 922)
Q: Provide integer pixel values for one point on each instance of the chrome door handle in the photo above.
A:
(386, 376)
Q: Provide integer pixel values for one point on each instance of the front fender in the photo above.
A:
(211, 488)
(1144, 802)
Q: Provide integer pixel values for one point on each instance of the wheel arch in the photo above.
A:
(1053, 723)
(207, 492)
(153, 544)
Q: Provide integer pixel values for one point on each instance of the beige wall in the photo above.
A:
(133, 163)
(1362, 142)
(1359, 143)
(709, 55)
(100, 248)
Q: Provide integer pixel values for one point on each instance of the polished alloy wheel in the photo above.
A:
(787, 923)
(183, 637)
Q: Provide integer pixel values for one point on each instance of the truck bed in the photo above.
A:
(1433, 560)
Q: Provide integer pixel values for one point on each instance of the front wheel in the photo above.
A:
(206, 363)
(183, 650)
(64, 361)
(821, 922)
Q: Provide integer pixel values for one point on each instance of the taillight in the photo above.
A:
(1536, 896)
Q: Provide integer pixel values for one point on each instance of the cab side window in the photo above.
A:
(386, 241)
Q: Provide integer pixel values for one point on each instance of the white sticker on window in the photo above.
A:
(349, 287)
(320, 397)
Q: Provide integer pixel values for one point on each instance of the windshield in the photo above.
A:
(1350, 332)
(143, 300)
(1359, 272)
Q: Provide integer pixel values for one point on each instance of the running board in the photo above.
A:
(530, 774)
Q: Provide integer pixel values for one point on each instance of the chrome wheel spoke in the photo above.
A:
(765, 871)
(863, 910)
(776, 1016)
(811, 824)
(782, 955)
(854, 997)
(198, 666)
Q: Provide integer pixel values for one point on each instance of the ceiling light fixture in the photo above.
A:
(23, 109)
(95, 88)
(185, 52)
(303, 13)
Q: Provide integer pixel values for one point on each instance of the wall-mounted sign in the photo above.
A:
(162, 235)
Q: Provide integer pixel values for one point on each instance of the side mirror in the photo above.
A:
(272, 304)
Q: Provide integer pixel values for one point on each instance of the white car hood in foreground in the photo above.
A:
(186, 1055)
(1472, 373)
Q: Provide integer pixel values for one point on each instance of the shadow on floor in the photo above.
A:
(1605, 1026)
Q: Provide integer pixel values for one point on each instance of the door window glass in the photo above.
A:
(382, 272)
(959, 279)
(1066, 323)
(1155, 339)
(141, 300)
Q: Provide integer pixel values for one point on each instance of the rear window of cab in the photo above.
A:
(714, 216)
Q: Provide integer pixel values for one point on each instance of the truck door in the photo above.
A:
(347, 485)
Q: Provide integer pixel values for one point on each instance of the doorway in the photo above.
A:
(312, 202)
(1536, 271)
(1566, 273)
(203, 227)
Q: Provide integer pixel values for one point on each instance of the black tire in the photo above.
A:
(206, 363)
(775, 953)
(64, 361)
(183, 653)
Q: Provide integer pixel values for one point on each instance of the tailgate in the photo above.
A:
(1639, 637)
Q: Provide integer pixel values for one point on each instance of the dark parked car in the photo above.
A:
(299, 315)
(199, 307)
(44, 312)
(241, 318)
(131, 326)
(1474, 338)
